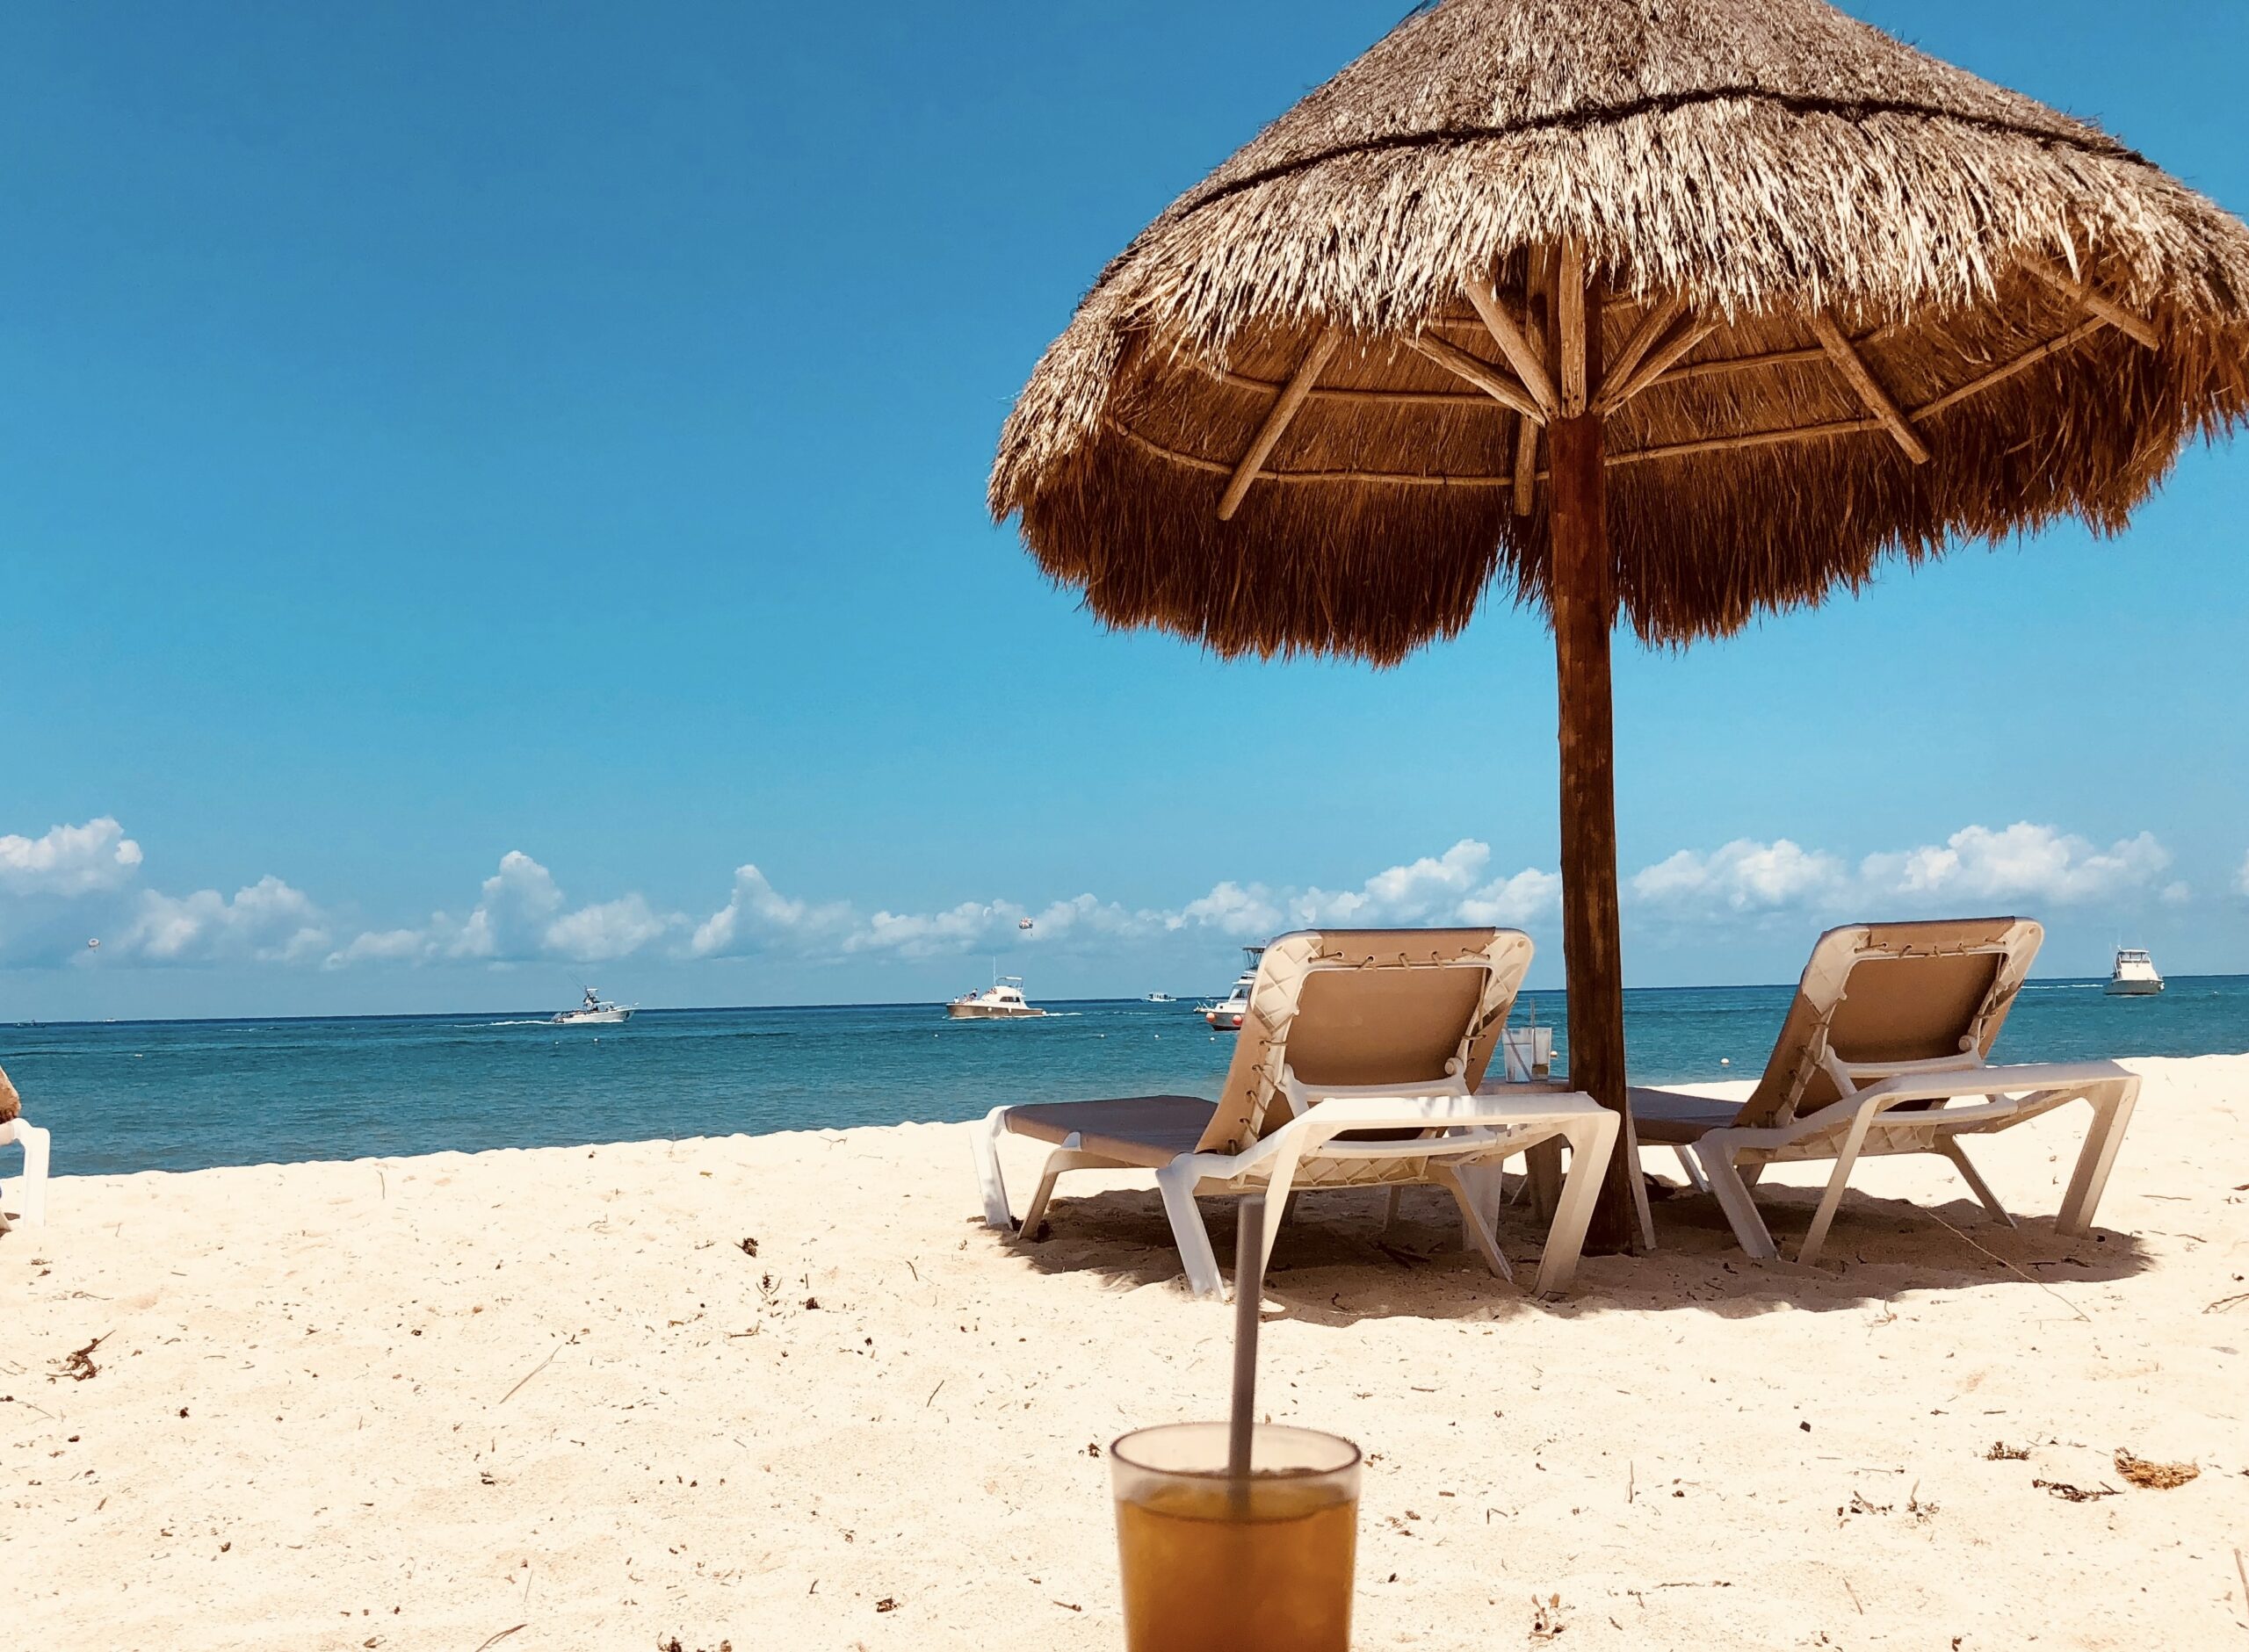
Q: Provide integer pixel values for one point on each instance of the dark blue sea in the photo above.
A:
(181, 1095)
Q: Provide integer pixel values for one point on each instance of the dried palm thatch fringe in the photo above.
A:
(1766, 167)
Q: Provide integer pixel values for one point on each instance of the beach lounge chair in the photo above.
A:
(1883, 1051)
(14, 1127)
(1356, 1065)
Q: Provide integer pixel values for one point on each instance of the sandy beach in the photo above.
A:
(551, 1399)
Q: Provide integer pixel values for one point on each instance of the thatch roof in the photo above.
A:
(1745, 174)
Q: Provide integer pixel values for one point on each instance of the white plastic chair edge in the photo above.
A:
(33, 1185)
(2011, 1095)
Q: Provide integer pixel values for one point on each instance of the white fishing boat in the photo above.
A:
(1225, 1015)
(596, 1012)
(1001, 1001)
(2134, 976)
(1161, 998)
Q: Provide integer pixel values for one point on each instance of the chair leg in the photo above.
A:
(1951, 1148)
(1692, 1170)
(1060, 1159)
(984, 1143)
(1471, 1216)
(1176, 1183)
(1727, 1182)
(1545, 1165)
(1632, 1151)
(1592, 1139)
(35, 1145)
(1831, 1201)
(2111, 1113)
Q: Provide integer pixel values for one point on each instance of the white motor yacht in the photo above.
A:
(1226, 1014)
(2134, 976)
(1001, 1001)
(595, 1011)
(1161, 998)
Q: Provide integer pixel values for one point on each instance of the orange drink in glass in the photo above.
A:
(1261, 1564)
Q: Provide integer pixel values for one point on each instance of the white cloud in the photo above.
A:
(2022, 862)
(269, 922)
(756, 919)
(70, 861)
(1743, 875)
(1452, 888)
(2241, 878)
(2022, 865)
(520, 915)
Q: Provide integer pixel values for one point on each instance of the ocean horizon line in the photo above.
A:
(543, 1014)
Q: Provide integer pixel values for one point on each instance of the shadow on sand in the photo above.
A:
(1336, 1265)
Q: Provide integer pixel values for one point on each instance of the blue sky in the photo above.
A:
(473, 480)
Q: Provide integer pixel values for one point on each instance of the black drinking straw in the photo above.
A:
(1248, 1283)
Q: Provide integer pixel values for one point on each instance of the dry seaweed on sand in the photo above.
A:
(78, 1365)
(2069, 1493)
(2001, 1452)
(2155, 1476)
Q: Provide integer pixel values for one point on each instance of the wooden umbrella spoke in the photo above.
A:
(1687, 333)
(2005, 371)
(1861, 378)
(2137, 329)
(1652, 326)
(1487, 377)
(1284, 409)
(1525, 356)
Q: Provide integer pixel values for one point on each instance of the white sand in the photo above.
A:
(414, 1403)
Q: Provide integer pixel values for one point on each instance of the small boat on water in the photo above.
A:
(1001, 1001)
(1226, 1014)
(596, 1012)
(2134, 976)
(1161, 998)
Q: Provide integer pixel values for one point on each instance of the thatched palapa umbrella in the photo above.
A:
(1676, 310)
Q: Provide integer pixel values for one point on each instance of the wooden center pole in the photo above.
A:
(1583, 596)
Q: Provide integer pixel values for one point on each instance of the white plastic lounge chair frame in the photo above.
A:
(33, 1187)
(1279, 1132)
(1845, 1083)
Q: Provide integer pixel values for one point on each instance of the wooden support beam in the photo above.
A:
(1739, 365)
(1652, 326)
(1526, 465)
(1686, 332)
(1749, 439)
(1487, 377)
(1581, 595)
(1284, 408)
(2005, 371)
(1569, 329)
(1522, 353)
(1853, 366)
(2136, 328)
(1537, 280)
(1402, 479)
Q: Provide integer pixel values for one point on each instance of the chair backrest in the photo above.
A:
(1361, 1007)
(1878, 996)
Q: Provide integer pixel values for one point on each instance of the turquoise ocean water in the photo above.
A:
(180, 1095)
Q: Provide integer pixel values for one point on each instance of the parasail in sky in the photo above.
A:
(1023, 923)
(94, 945)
